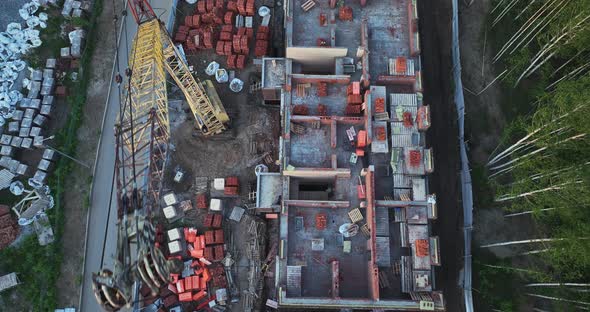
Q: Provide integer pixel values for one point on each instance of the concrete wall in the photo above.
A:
(316, 59)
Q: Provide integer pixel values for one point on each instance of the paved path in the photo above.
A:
(101, 225)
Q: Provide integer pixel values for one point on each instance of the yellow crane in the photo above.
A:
(142, 136)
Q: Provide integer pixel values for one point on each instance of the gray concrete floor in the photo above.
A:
(316, 273)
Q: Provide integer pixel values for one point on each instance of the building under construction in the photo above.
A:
(352, 192)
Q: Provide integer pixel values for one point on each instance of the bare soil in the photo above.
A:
(435, 30)
(77, 185)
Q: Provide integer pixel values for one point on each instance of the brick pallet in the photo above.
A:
(231, 61)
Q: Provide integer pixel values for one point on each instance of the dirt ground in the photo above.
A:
(252, 134)
(78, 184)
(435, 30)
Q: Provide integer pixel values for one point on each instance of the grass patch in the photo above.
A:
(495, 289)
(39, 267)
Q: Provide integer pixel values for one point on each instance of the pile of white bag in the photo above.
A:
(17, 40)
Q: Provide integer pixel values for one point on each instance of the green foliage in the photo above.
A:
(551, 170)
(563, 38)
(80, 22)
(494, 287)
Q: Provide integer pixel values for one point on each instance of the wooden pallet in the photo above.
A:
(355, 215)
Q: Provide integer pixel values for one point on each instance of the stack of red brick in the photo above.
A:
(246, 7)
(232, 186)
(345, 13)
(354, 99)
(193, 287)
(379, 105)
(212, 220)
(262, 39)
(199, 30)
(202, 31)
(202, 201)
(214, 245)
(8, 227)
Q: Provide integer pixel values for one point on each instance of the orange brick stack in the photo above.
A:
(241, 61)
(219, 47)
(213, 250)
(241, 7)
(262, 39)
(415, 158)
(422, 247)
(9, 228)
(407, 119)
(300, 109)
(345, 13)
(320, 221)
(322, 110)
(250, 33)
(231, 61)
(322, 89)
(216, 223)
(218, 276)
(231, 183)
(401, 65)
(225, 36)
(201, 201)
(228, 18)
(211, 27)
(201, 8)
(250, 8)
(232, 6)
(210, 5)
(380, 133)
(262, 35)
(380, 105)
(208, 220)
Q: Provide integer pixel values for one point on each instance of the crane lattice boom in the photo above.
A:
(142, 136)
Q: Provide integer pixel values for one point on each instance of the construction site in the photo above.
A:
(305, 181)
(268, 155)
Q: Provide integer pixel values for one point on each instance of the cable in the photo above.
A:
(106, 231)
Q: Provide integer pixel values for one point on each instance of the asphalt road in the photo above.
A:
(102, 224)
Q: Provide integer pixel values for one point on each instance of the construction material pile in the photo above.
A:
(201, 254)
(8, 227)
(225, 27)
(354, 99)
(28, 116)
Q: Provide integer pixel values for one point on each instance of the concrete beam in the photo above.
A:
(318, 173)
(333, 132)
(317, 203)
(328, 119)
(399, 203)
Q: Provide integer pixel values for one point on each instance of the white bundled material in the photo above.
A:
(212, 68)
(221, 76)
(76, 38)
(236, 85)
(28, 9)
(19, 39)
